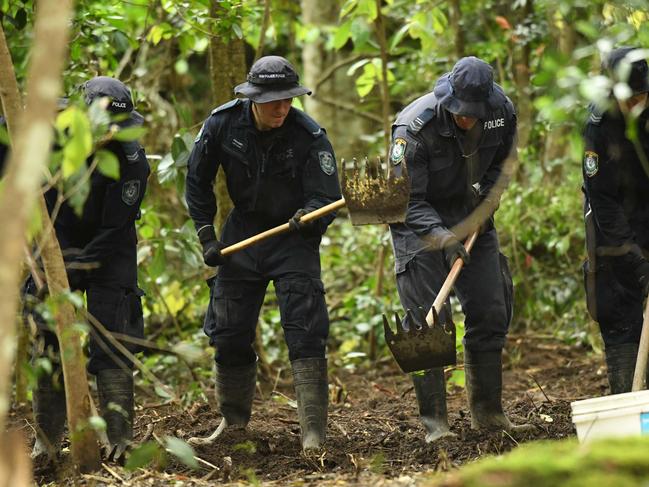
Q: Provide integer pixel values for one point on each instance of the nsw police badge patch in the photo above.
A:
(398, 151)
(131, 192)
(327, 163)
(591, 163)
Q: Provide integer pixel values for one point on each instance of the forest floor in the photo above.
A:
(374, 435)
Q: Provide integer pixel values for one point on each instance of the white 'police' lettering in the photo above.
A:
(118, 104)
(492, 124)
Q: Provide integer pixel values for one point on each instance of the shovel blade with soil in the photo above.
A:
(374, 194)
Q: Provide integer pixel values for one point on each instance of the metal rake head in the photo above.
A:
(420, 346)
(375, 193)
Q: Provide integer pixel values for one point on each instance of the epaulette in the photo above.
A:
(596, 114)
(226, 106)
(309, 124)
(131, 151)
(420, 121)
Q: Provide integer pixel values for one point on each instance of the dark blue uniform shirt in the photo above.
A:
(270, 175)
(615, 183)
(104, 237)
(448, 174)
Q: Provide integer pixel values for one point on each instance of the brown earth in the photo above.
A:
(374, 436)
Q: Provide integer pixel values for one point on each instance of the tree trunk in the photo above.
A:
(227, 62)
(557, 139)
(455, 14)
(15, 465)
(334, 101)
(31, 147)
(521, 59)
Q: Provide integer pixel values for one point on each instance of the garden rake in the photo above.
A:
(371, 193)
(429, 341)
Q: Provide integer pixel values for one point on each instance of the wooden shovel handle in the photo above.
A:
(283, 228)
(442, 296)
(643, 351)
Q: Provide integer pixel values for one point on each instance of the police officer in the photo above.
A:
(99, 248)
(279, 165)
(616, 186)
(455, 141)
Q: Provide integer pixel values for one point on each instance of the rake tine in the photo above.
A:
(412, 324)
(400, 329)
(379, 168)
(343, 174)
(422, 318)
(435, 317)
(389, 334)
(369, 170)
(356, 169)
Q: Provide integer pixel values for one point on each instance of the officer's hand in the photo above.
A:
(642, 273)
(76, 276)
(212, 247)
(296, 225)
(453, 249)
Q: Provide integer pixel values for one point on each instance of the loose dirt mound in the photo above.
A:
(374, 435)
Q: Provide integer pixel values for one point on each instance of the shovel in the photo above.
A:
(428, 343)
(369, 194)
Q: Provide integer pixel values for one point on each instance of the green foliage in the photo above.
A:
(605, 462)
(145, 454)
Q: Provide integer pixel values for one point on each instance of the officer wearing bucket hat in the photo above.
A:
(279, 164)
(455, 141)
(616, 211)
(100, 250)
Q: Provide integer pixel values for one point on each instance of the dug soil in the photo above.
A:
(374, 436)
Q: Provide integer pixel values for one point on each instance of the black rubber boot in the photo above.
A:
(430, 389)
(235, 390)
(484, 385)
(620, 364)
(312, 392)
(115, 390)
(48, 403)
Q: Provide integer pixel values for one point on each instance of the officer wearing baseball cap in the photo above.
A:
(279, 165)
(100, 251)
(455, 141)
(616, 211)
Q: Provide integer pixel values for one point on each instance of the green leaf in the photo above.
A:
(182, 451)
(74, 124)
(129, 133)
(159, 263)
(107, 163)
(342, 34)
(144, 454)
(181, 66)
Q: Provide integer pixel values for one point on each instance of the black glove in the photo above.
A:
(212, 247)
(305, 228)
(77, 275)
(642, 274)
(453, 249)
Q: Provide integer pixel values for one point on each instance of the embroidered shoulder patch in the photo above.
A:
(398, 151)
(591, 163)
(131, 192)
(327, 163)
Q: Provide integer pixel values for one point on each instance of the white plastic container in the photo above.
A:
(612, 416)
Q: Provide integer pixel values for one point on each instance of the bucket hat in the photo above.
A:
(469, 89)
(271, 78)
(120, 97)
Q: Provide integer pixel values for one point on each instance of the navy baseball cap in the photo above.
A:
(469, 89)
(271, 78)
(119, 95)
(623, 65)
